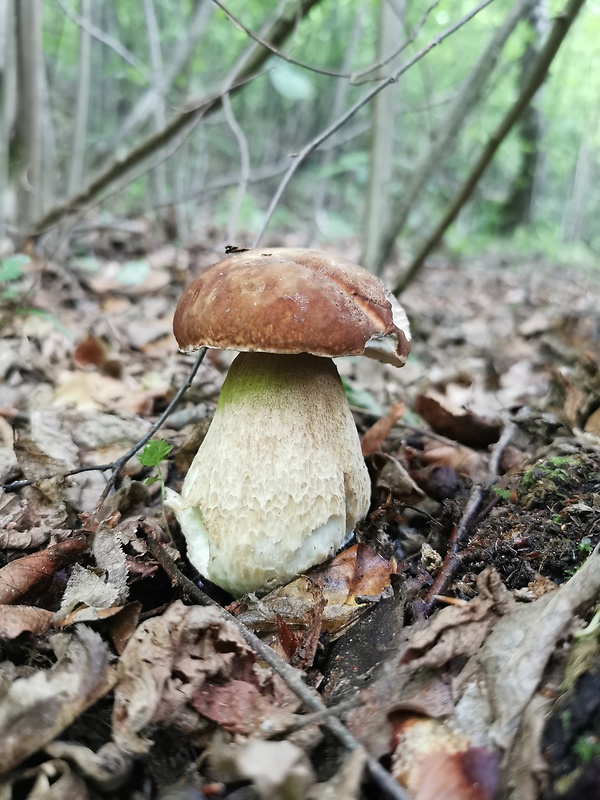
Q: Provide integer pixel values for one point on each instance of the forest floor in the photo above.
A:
(457, 639)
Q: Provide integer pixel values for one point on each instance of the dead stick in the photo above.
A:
(451, 561)
(291, 676)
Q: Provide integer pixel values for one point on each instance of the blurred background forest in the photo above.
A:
(168, 112)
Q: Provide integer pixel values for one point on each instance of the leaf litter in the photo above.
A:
(109, 683)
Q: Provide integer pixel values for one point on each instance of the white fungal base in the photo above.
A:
(279, 479)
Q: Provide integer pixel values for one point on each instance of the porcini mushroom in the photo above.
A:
(280, 480)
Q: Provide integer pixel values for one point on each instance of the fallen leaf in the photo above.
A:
(372, 439)
(51, 780)
(34, 710)
(34, 573)
(456, 423)
(187, 661)
(15, 620)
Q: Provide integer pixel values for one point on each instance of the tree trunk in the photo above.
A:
(517, 208)
(26, 145)
(7, 110)
(441, 145)
(381, 173)
(83, 102)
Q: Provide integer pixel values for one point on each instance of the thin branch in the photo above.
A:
(117, 466)
(104, 38)
(291, 676)
(355, 78)
(538, 73)
(331, 129)
(120, 462)
(361, 77)
(244, 173)
(451, 560)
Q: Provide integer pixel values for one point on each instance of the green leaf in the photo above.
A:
(11, 269)
(132, 273)
(290, 82)
(360, 398)
(154, 453)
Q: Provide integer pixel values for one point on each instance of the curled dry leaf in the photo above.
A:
(372, 439)
(51, 780)
(107, 769)
(461, 459)
(187, 661)
(387, 473)
(456, 423)
(33, 574)
(15, 620)
(34, 710)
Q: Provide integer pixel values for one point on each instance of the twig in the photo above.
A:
(451, 561)
(120, 462)
(331, 129)
(291, 676)
(104, 38)
(117, 466)
(355, 78)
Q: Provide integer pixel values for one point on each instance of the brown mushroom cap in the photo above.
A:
(287, 300)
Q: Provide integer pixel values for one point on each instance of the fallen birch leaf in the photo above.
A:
(456, 423)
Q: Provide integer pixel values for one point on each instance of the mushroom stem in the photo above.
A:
(279, 479)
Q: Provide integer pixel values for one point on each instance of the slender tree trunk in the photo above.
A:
(144, 106)
(381, 173)
(83, 102)
(517, 208)
(247, 65)
(26, 146)
(560, 28)
(339, 101)
(441, 145)
(7, 110)
(159, 173)
(575, 215)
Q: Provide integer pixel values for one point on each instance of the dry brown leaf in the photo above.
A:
(372, 439)
(460, 458)
(34, 573)
(34, 710)
(387, 473)
(456, 423)
(349, 583)
(51, 780)
(187, 660)
(15, 620)
(460, 630)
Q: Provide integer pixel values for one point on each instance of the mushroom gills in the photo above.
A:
(279, 480)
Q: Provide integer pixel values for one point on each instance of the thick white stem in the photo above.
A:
(279, 479)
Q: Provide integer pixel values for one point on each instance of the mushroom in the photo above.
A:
(279, 480)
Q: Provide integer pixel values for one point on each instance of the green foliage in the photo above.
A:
(503, 493)
(154, 453)
(361, 398)
(587, 747)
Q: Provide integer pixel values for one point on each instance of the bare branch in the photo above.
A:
(331, 129)
(104, 38)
